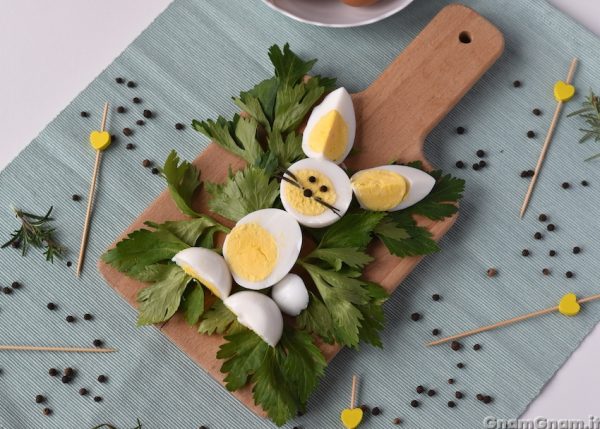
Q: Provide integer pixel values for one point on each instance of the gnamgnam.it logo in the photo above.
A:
(491, 422)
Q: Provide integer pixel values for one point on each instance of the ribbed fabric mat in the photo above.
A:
(187, 64)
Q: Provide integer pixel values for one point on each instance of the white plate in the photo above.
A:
(334, 13)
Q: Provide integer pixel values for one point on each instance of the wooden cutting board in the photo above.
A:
(393, 117)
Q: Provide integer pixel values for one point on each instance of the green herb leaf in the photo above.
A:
(243, 352)
(336, 257)
(192, 303)
(159, 301)
(246, 191)
(353, 230)
(316, 319)
(418, 240)
(194, 232)
(288, 151)
(294, 102)
(289, 68)
(182, 180)
(590, 113)
(218, 319)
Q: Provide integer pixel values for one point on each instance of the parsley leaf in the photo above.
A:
(246, 191)
(218, 319)
(159, 301)
(289, 68)
(352, 230)
(182, 180)
(243, 352)
(199, 231)
(316, 319)
(336, 257)
(192, 303)
(288, 151)
(294, 102)
(401, 235)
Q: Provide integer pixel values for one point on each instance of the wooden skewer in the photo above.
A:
(353, 395)
(56, 349)
(540, 162)
(90, 203)
(507, 322)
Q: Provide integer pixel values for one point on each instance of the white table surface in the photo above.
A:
(49, 53)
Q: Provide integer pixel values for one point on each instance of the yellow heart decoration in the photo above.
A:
(563, 91)
(100, 140)
(351, 417)
(568, 305)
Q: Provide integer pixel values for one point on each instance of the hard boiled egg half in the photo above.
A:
(316, 192)
(290, 294)
(259, 313)
(391, 187)
(206, 266)
(262, 248)
(331, 127)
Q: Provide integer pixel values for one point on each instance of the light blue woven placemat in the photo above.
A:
(187, 64)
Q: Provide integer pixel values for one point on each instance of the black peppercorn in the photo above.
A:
(69, 372)
(552, 253)
(482, 164)
(537, 112)
(97, 398)
(476, 166)
(460, 164)
(458, 395)
(551, 227)
(585, 183)
(136, 100)
(120, 80)
(155, 171)
(70, 319)
(479, 397)
(576, 250)
(179, 126)
(517, 83)
(84, 114)
(147, 114)
(51, 306)
(420, 389)
(83, 391)
(542, 217)
(87, 316)
(435, 331)
(491, 272)
(53, 372)
(130, 146)
(7, 290)
(450, 381)
(365, 408)
(569, 274)
(460, 130)
(76, 197)
(415, 316)
(414, 403)
(530, 134)
(525, 252)
(451, 404)
(127, 131)
(546, 271)
(102, 379)
(323, 188)
(17, 285)
(375, 411)
(477, 347)
(480, 153)
(98, 343)
(487, 399)
(455, 345)
(39, 399)
(131, 84)
(307, 193)
(140, 122)
(565, 185)
(460, 365)
(436, 297)
(537, 235)
(523, 173)
(312, 179)
(431, 392)
(121, 109)
(65, 379)
(69, 263)
(146, 163)
(47, 411)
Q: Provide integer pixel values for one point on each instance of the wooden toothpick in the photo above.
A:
(508, 322)
(90, 203)
(55, 349)
(353, 394)
(549, 136)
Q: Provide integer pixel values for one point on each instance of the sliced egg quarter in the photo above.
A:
(391, 187)
(262, 248)
(316, 192)
(331, 128)
(207, 267)
(259, 313)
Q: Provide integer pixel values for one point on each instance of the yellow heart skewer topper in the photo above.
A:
(100, 140)
(351, 417)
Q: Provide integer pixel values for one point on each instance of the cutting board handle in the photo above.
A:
(426, 80)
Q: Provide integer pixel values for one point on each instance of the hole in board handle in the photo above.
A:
(464, 37)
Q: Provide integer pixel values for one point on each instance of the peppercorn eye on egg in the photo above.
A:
(331, 127)
(391, 187)
(259, 313)
(316, 192)
(262, 248)
(208, 267)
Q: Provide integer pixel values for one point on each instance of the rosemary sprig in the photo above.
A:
(591, 113)
(109, 426)
(35, 232)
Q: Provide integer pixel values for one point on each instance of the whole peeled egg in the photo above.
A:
(331, 127)
(391, 187)
(316, 192)
(262, 248)
(259, 313)
(206, 266)
(290, 294)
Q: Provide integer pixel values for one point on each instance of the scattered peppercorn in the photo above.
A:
(585, 183)
(97, 398)
(87, 316)
(39, 399)
(537, 112)
(70, 319)
(420, 389)
(542, 217)
(476, 166)
(365, 408)
(530, 134)
(146, 163)
(52, 372)
(120, 80)
(431, 392)
(102, 379)
(131, 84)
(479, 397)
(552, 253)
(155, 170)
(147, 113)
(482, 164)
(537, 235)
(455, 345)
(435, 331)
(491, 272)
(7, 290)
(137, 100)
(69, 263)
(69, 372)
(127, 131)
(546, 271)
(375, 411)
(487, 399)
(83, 391)
(47, 411)
(414, 403)
(436, 297)
(566, 185)
(65, 379)
(476, 347)
(460, 164)
(98, 343)
(517, 83)
(415, 316)
(76, 197)
(179, 126)
(397, 421)
(569, 274)
(84, 114)
(551, 227)
(121, 109)
(17, 285)
(140, 122)
(576, 250)
(460, 130)
(460, 365)
(480, 153)
(130, 146)
(451, 404)
(450, 381)
(459, 395)
(323, 188)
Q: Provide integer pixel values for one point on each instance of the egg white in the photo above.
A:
(341, 101)
(290, 294)
(288, 238)
(259, 313)
(420, 184)
(341, 184)
(206, 266)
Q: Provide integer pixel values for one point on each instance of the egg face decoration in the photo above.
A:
(391, 187)
(262, 248)
(331, 127)
(208, 267)
(290, 294)
(259, 313)
(316, 192)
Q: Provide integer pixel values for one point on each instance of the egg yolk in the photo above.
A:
(314, 185)
(190, 271)
(251, 252)
(380, 190)
(329, 136)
